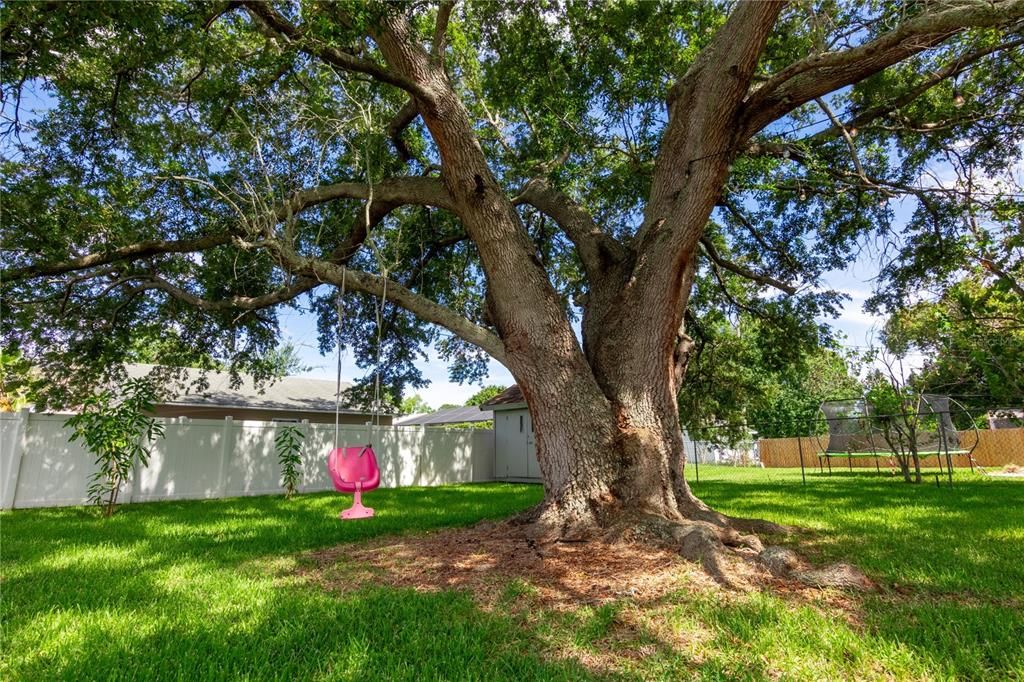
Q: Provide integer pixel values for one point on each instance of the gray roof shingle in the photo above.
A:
(451, 415)
(510, 396)
(287, 393)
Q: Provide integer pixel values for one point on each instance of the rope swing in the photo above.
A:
(353, 469)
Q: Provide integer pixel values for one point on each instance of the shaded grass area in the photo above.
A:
(209, 589)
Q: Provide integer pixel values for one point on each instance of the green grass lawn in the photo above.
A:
(192, 590)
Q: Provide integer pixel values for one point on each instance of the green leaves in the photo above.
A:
(116, 427)
(288, 445)
(972, 337)
(484, 394)
(169, 120)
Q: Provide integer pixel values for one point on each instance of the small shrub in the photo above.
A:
(116, 432)
(288, 443)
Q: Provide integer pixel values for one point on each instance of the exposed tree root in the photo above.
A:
(729, 549)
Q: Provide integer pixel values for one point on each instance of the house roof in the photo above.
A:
(451, 415)
(508, 399)
(289, 394)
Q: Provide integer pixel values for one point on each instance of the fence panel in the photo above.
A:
(996, 448)
(482, 446)
(184, 464)
(252, 466)
(205, 458)
(54, 472)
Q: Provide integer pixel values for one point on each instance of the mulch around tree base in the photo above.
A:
(504, 569)
(486, 558)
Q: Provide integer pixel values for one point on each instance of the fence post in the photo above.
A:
(303, 485)
(800, 447)
(418, 477)
(225, 453)
(13, 473)
(696, 463)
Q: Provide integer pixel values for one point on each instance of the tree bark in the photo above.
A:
(605, 416)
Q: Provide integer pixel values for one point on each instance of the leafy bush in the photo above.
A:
(288, 443)
(117, 432)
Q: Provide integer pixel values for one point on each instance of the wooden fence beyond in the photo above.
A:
(995, 448)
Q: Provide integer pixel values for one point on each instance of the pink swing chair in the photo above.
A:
(353, 470)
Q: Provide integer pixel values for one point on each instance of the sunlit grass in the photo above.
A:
(199, 590)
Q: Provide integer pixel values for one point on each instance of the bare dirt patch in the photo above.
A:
(485, 559)
(506, 569)
(490, 559)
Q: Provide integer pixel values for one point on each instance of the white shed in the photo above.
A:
(515, 452)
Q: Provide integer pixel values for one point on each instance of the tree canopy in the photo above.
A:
(185, 169)
(972, 339)
(484, 394)
(415, 404)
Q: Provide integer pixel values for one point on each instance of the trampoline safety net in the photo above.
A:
(853, 427)
(849, 426)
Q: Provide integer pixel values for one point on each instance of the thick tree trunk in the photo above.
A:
(620, 452)
(615, 471)
(605, 418)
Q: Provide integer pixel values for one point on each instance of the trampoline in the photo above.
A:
(943, 429)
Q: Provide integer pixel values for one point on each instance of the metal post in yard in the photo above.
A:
(696, 462)
(938, 456)
(800, 447)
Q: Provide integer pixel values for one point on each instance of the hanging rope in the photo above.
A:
(339, 298)
(366, 114)
(380, 340)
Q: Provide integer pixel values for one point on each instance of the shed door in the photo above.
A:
(511, 455)
(532, 467)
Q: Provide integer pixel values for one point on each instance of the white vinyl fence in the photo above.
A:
(206, 458)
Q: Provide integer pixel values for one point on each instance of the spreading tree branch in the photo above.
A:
(282, 295)
(702, 105)
(402, 120)
(444, 14)
(593, 245)
(278, 26)
(745, 221)
(950, 70)
(132, 252)
(398, 191)
(846, 134)
(409, 111)
(735, 268)
(379, 286)
(820, 74)
(387, 195)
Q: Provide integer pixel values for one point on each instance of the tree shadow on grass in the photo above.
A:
(302, 634)
(232, 530)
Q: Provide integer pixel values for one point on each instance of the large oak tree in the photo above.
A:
(569, 188)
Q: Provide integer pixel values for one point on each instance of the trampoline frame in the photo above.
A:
(863, 413)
